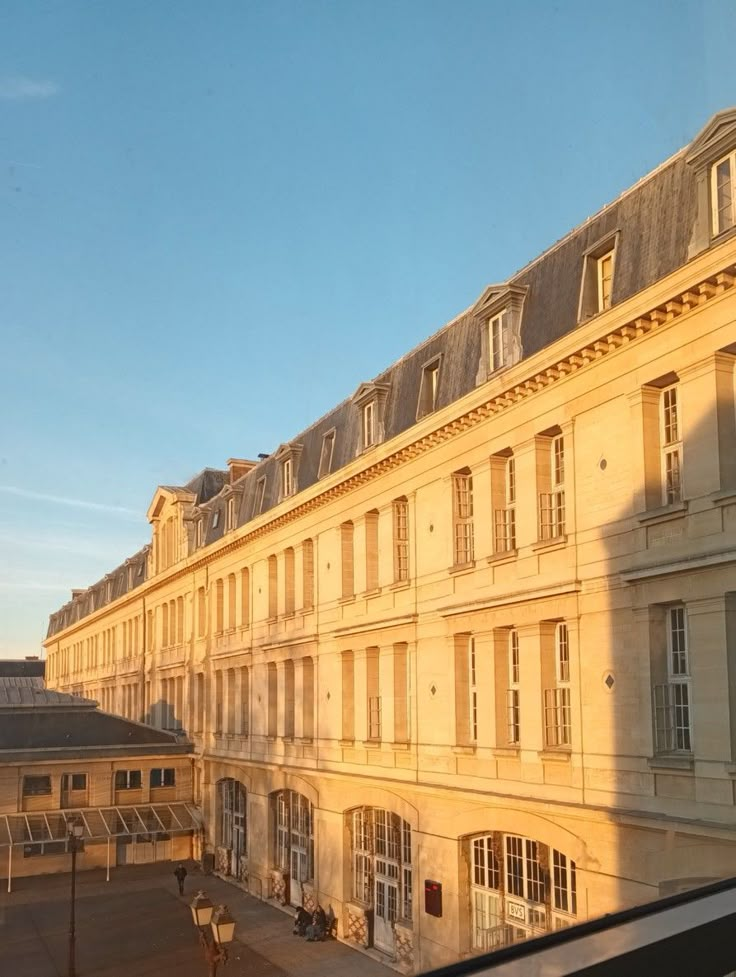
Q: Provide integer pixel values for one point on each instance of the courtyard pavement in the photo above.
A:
(137, 925)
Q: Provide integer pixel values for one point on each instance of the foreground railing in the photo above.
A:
(692, 934)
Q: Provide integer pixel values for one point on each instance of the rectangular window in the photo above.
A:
(348, 696)
(472, 692)
(165, 777)
(260, 496)
(557, 710)
(506, 517)
(401, 693)
(128, 780)
(369, 424)
(605, 279)
(36, 786)
(672, 700)
(348, 570)
(401, 539)
(289, 592)
(723, 193)
(273, 587)
(308, 574)
(245, 597)
(325, 458)
(564, 889)
(462, 512)
(552, 503)
(373, 694)
(513, 726)
(498, 340)
(371, 550)
(74, 781)
(428, 389)
(287, 479)
(671, 447)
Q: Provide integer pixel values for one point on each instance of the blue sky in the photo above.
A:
(217, 219)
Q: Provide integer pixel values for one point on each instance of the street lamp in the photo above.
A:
(75, 831)
(216, 929)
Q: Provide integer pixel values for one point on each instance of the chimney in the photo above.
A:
(239, 467)
(32, 658)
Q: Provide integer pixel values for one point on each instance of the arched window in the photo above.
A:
(382, 869)
(518, 888)
(294, 840)
(231, 826)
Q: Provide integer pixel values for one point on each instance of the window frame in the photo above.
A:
(715, 223)
(400, 524)
(429, 387)
(327, 452)
(671, 447)
(513, 716)
(604, 295)
(499, 325)
(463, 541)
(472, 666)
(164, 774)
(260, 496)
(129, 776)
(368, 424)
(37, 792)
(672, 735)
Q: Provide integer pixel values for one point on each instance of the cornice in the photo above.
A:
(703, 288)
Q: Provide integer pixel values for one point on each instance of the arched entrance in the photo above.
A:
(294, 841)
(382, 870)
(232, 827)
(519, 888)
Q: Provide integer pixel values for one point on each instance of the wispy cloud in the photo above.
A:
(20, 88)
(119, 510)
(32, 585)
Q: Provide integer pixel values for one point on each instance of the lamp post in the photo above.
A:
(216, 929)
(75, 831)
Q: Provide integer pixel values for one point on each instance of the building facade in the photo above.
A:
(458, 660)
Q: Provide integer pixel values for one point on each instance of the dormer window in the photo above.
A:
(596, 290)
(325, 458)
(288, 456)
(605, 278)
(260, 496)
(369, 424)
(216, 519)
(287, 479)
(723, 193)
(370, 400)
(200, 532)
(231, 514)
(498, 340)
(498, 316)
(429, 388)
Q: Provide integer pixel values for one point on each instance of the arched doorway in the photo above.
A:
(519, 888)
(232, 827)
(382, 870)
(294, 841)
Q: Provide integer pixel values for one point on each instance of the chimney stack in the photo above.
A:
(239, 467)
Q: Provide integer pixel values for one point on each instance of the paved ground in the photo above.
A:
(137, 925)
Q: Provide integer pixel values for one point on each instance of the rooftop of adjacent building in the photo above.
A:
(32, 665)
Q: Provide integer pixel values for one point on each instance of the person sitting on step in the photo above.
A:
(301, 921)
(318, 927)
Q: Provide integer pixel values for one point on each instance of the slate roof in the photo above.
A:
(24, 666)
(655, 219)
(26, 696)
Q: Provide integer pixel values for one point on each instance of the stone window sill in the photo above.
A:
(346, 742)
(662, 514)
(372, 744)
(399, 585)
(346, 600)
(374, 592)
(462, 567)
(401, 746)
(507, 556)
(559, 754)
(545, 545)
(726, 497)
(467, 749)
(671, 761)
(506, 751)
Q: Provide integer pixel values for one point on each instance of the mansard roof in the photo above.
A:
(653, 223)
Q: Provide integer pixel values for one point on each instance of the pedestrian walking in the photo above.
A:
(181, 873)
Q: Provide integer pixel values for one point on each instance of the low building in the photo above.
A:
(62, 760)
